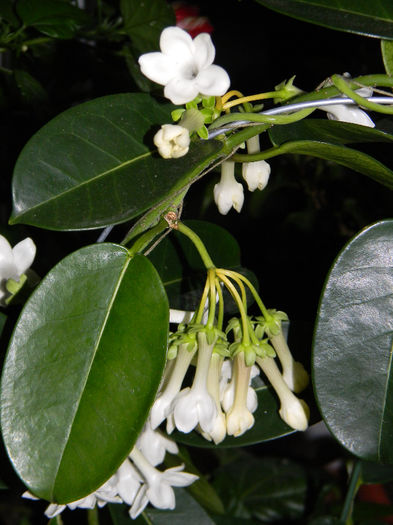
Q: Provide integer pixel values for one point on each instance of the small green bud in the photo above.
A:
(286, 90)
(177, 113)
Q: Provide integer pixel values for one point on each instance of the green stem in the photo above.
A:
(287, 147)
(196, 240)
(92, 516)
(256, 296)
(212, 297)
(220, 315)
(263, 119)
(344, 87)
(355, 83)
(146, 238)
(354, 484)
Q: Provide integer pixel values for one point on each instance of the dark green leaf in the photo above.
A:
(387, 56)
(201, 490)
(82, 370)
(187, 511)
(7, 12)
(31, 91)
(144, 21)
(354, 16)
(329, 131)
(376, 473)
(54, 18)
(352, 345)
(347, 157)
(266, 489)
(93, 165)
(268, 425)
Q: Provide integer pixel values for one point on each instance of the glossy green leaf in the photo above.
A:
(82, 370)
(187, 510)
(387, 56)
(354, 16)
(329, 131)
(353, 345)
(348, 157)
(94, 165)
(144, 21)
(54, 18)
(268, 425)
(268, 490)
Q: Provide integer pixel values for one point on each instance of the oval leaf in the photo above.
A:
(329, 131)
(365, 18)
(93, 165)
(353, 345)
(82, 370)
(348, 157)
(387, 56)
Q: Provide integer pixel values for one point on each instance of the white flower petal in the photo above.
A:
(7, 265)
(24, 253)
(204, 50)
(213, 81)
(181, 90)
(177, 44)
(53, 510)
(256, 174)
(128, 482)
(158, 67)
(351, 114)
(140, 503)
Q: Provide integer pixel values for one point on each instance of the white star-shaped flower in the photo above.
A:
(185, 66)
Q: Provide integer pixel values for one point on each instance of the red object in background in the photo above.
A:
(375, 494)
(187, 18)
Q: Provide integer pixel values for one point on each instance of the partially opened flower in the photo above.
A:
(172, 141)
(185, 66)
(14, 262)
(228, 192)
(256, 174)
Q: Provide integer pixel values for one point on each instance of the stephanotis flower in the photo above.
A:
(256, 174)
(185, 66)
(172, 141)
(14, 262)
(228, 192)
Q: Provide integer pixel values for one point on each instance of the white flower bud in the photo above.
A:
(256, 174)
(172, 141)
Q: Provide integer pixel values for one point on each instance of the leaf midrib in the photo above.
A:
(84, 183)
(93, 355)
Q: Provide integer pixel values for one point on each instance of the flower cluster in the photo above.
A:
(137, 481)
(218, 398)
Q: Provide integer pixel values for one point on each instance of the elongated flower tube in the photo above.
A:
(228, 192)
(293, 411)
(14, 262)
(239, 418)
(185, 66)
(293, 372)
(162, 406)
(195, 405)
(219, 428)
(256, 174)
